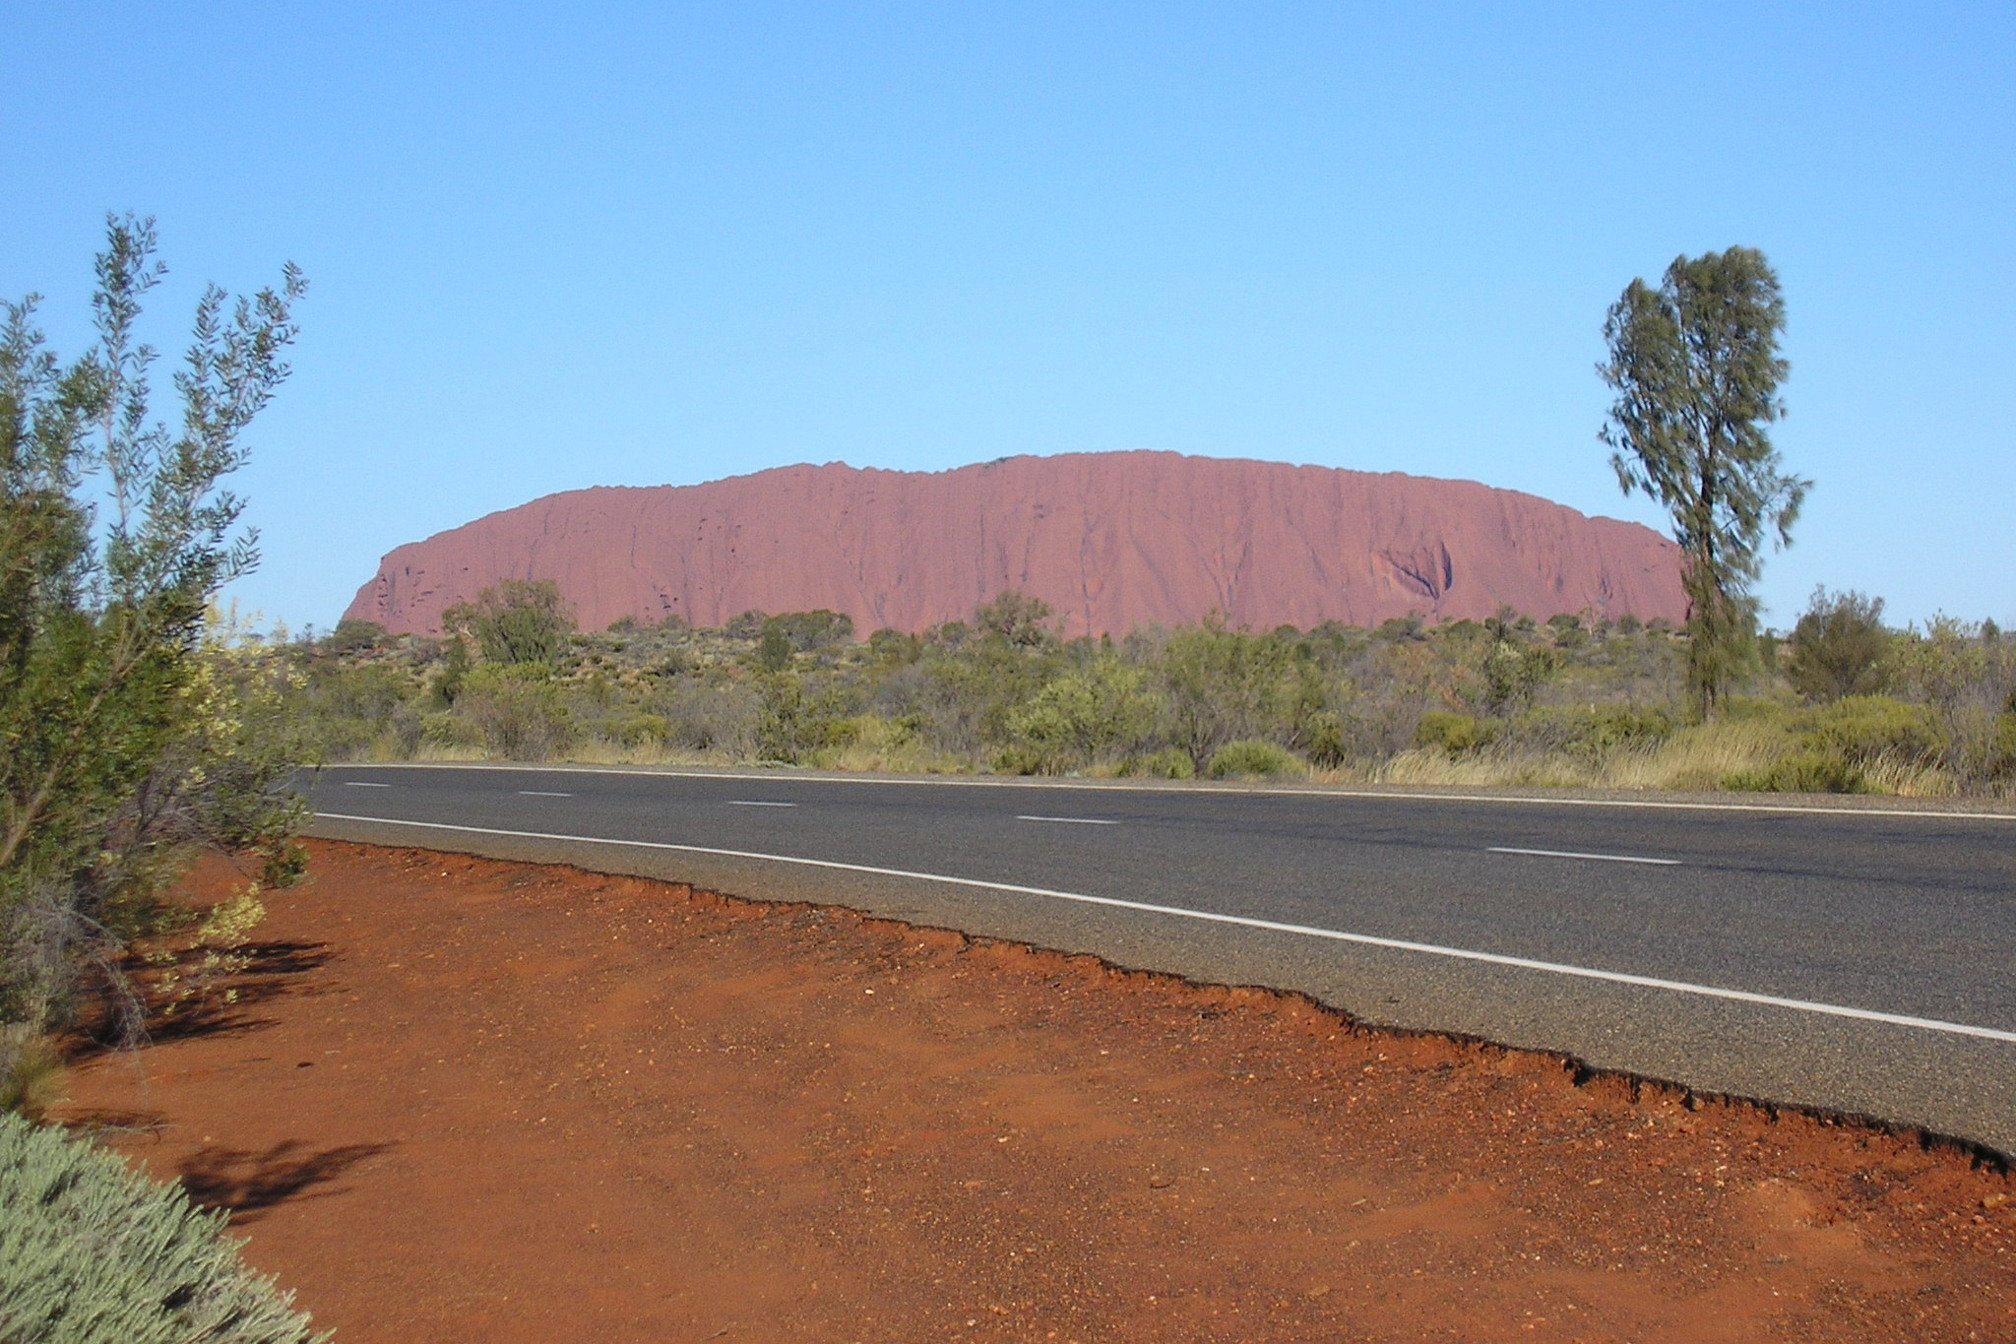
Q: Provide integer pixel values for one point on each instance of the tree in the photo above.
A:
(123, 736)
(1696, 368)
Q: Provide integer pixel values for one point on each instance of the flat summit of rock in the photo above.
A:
(1112, 541)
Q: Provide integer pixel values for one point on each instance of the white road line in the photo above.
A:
(1073, 821)
(1571, 854)
(360, 784)
(542, 793)
(1245, 921)
(1948, 814)
(756, 802)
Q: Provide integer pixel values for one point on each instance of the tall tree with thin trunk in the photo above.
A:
(1696, 369)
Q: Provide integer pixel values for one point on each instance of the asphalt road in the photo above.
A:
(1846, 960)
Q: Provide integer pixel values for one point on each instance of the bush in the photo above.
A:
(518, 621)
(130, 732)
(516, 711)
(1835, 747)
(1863, 729)
(1252, 757)
(1595, 733)
(1168, 763)
(92, 1252)
(1451, 732)
(1839, 648)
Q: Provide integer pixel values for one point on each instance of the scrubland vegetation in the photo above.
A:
(1841, 704)
(137, 732)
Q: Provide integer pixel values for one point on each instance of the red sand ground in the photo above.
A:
(462, 1100)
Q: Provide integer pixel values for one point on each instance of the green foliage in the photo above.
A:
(520, 621)
(1594, 732)
(1837, 746)
(31, 1070)
(1168, 763)
(1252, 758)
(1087, 714)
(1572, 701)
(128, 737)
(516, 711)
(1224, 685)
(1839, 647)
(1450, 732)
(92, 1252)
(1015, 618)
(1696, 369)
(1514, 671)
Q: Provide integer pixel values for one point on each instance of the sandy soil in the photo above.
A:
(461, 1100)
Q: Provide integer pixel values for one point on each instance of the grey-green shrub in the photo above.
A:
(1252, 756)
(93, 1252)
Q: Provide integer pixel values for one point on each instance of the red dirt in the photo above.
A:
(466, 1100)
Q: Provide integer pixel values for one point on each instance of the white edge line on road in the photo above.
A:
(1247, 921)
(981, 783)
(1073, 821)
(542, 793)
(1571, 854)
(756, 802)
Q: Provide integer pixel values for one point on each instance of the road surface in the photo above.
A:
(1861, 961)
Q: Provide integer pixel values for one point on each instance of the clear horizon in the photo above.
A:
(641, 246)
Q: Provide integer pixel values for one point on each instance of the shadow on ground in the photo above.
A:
(247, 1183)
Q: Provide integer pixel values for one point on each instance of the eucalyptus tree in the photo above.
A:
(1696, 368)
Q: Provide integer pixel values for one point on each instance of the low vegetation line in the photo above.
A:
(1841, 704)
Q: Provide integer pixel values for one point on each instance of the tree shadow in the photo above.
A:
(271, 970)
(248, 1183)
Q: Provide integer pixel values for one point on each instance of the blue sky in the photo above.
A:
(556, 246)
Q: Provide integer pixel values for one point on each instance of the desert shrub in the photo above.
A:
(1451, 732)
(633, 730)
(1863, 729)
(1327, 739)
(1082, 716)
(132, 729)
(1839, 647)
(1801, 772)
(1252, 757)
(1835, 747)
(1225, 685)
(1168, 763)
(343, 709)
(516, 711)
(518, 621)
(92, 1252)
(795, 726)
(31, 1070)
(701, 716)
(1594, 733)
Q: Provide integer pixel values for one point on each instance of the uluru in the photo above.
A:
(1112, 541)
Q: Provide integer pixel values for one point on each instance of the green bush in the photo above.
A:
(1835, 745)
(516, 711)
(1801, 772)
(1252, 757)
(92, 1252)
(1863, 729)
(1168, 763)
(1452, 732)
(1839, 647)
(1593, 733)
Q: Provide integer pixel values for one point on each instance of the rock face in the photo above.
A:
(1112, 541)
